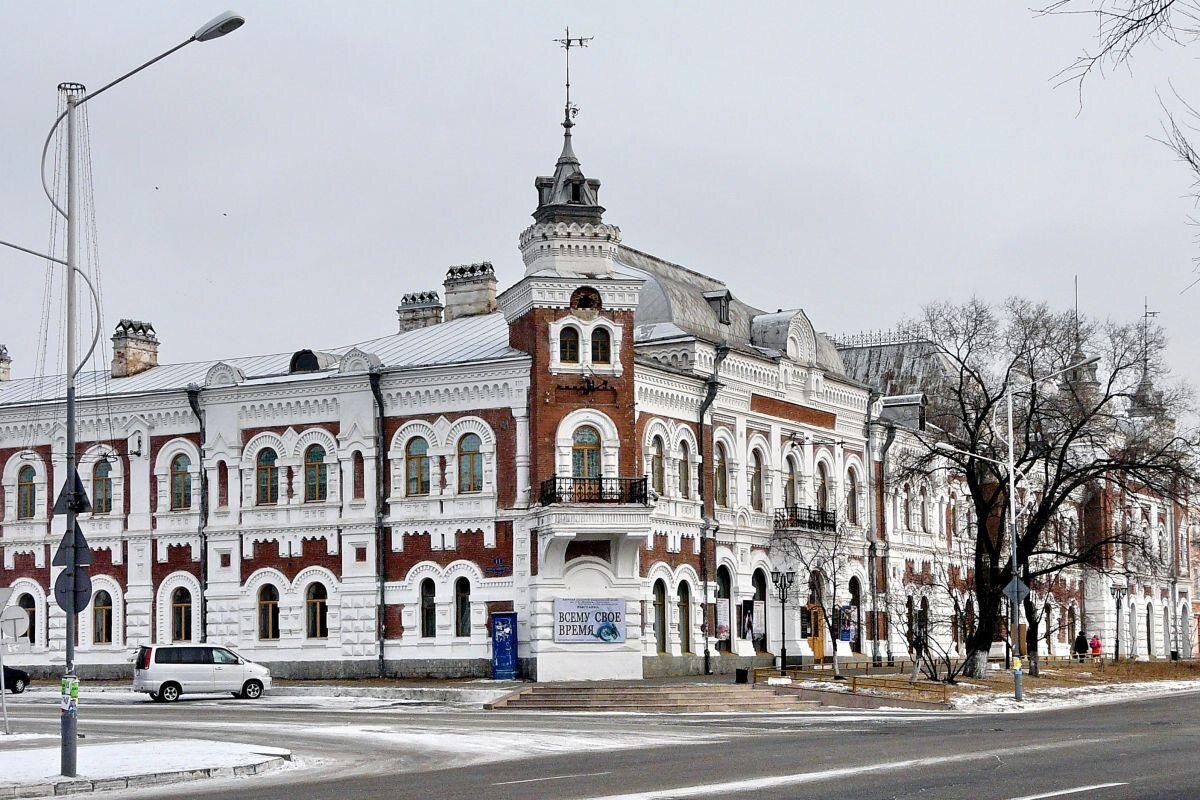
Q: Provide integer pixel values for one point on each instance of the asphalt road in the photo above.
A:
(1144, 749)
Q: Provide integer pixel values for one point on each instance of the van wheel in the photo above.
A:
(169, 692)
(252, 690)
(18, 686)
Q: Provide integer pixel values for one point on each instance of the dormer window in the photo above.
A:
(719, 303)
(586, 298)
(304, 361)
(576, 193)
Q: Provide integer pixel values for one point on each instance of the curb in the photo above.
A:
(418, 694)
(72, 786)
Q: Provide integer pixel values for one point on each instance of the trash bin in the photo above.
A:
(741, 676)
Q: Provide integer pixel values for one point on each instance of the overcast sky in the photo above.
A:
(282, 187)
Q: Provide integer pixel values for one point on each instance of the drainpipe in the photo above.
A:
(876, 538)
(707, 523)
(193, 396)
(380, 494)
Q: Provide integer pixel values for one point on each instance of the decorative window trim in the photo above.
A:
(585, 365)
(610, 442)
(40, 488)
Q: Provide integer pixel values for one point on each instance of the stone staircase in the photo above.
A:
(639, 697)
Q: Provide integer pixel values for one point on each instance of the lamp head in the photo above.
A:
(775, 575)
(218, 26)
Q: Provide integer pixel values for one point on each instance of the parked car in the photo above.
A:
(15, 680)
(167, 671)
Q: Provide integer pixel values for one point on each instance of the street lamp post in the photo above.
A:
(1011, 466)
(1118, 593)
(783, 584)
(75, 97)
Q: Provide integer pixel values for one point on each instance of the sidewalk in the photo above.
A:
(33, 771)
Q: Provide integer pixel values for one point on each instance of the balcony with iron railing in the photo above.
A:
(805, 518)
(630, 491)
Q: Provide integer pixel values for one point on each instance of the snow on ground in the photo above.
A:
(121, 759)
(484, 746)
(13, 738)
(1074, 696)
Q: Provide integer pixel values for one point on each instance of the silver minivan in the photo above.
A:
(167, 671)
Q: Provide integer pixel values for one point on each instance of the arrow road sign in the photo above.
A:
(1016, 591)
(82, 586)
(83, 553)
(82, 504)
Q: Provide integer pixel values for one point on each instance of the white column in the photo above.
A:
(521, 415)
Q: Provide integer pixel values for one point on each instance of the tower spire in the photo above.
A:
(570, 110)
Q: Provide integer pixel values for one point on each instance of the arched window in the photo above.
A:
(268, 613)
(27, 604)
(822, 487)
(26, 492)
(757, 628)
(924, 510)
(660, 616)
(585, 452)
(181, 615)
(102, 487)
(789, 484)
(855, 615)
(222, 484)
(462, 607)
(428, 609)
(470, 464)
(316, 474)
(685, 470)
(568, 345)
(657, 465)
(601, 346)
(416, 461)
(316, 611)
(852, 497)
(181, 483)
(910, 623)
(721, 477)
(907, 509)
(102, 619)
(756, 481)
(266, 475)
(684, 603)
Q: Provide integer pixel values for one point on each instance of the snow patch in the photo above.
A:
(1073, 696)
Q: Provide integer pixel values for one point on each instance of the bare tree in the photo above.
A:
(823, 558)
(1079, 439)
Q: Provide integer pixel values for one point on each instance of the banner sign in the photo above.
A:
(759, 624)
(589, 620)
(723, 620)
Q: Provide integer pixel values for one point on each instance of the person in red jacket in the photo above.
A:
(1095, 645)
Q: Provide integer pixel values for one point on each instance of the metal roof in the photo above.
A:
(464, 340)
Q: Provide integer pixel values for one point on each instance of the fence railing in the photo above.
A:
(813, 519)
(594, 490)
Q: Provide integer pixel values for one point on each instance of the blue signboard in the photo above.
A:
(504, 645)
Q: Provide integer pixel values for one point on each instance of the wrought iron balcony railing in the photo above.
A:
(594, 490)
(803, 517)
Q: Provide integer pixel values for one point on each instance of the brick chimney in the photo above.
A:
(135, 348)
(5, 364)
(470, 290)
(419, 310)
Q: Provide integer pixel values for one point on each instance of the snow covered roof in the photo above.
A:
(481, 338)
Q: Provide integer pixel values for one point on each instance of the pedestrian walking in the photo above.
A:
(1080, 647)
(1095, 646)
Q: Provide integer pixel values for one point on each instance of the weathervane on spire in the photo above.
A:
(1146, 315)
(566, 43)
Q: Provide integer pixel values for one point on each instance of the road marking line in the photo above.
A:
(777, 781)
(1076, 790)
(554, 778)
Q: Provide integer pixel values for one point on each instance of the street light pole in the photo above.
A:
(1118, 593)
(219, 26)
(783, 584)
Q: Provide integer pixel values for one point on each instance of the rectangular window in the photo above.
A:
(360, 554)
(226, 560)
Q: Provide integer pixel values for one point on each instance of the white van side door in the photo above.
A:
(228, 673)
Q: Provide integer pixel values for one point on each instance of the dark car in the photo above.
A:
(15, 680)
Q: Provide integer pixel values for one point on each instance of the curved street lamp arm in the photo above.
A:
(81, 101)
(96, 331)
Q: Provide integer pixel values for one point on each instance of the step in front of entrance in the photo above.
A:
(650, 699)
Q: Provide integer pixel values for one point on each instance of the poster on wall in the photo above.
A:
(760, 619)
(722, 620)
(589, 620)
(747, 626)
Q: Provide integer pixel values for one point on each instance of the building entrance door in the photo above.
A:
(816, 633)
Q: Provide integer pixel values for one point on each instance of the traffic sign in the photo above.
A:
(14, 622)
(1016, 591)
(82, 504)
(82, 587)
(83, 553)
